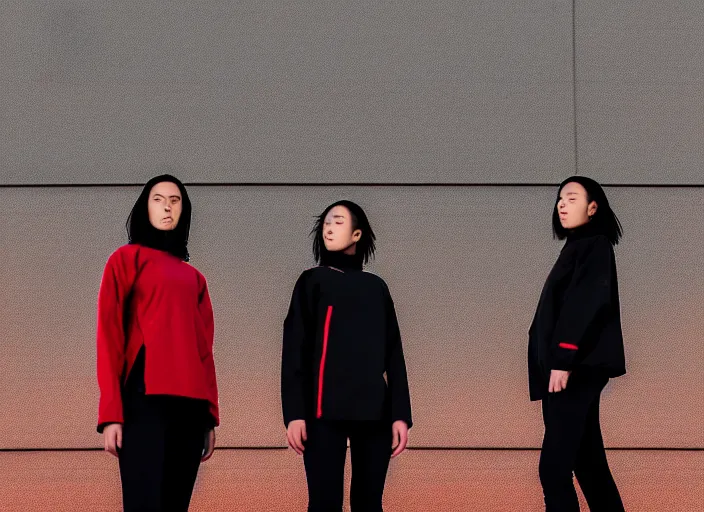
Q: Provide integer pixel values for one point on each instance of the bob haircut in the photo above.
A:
(604, 221)
(366, 247)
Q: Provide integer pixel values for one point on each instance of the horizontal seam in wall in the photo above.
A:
(410, 448)
(364, 185)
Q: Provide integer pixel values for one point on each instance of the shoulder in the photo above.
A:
(599, 244)
(199, 275)
(312, 271)
(127, 251)
(377, 281)
(594, 248)
(375, 278)
(307, 275)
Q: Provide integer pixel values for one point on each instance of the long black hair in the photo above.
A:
(366, 247)
(141, 231)
(603, 222)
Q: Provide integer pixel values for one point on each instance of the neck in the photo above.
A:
(582, 231)
(165, 240)
(341, 261)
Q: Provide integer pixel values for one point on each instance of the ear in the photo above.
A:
(356, 235)
(592, 208)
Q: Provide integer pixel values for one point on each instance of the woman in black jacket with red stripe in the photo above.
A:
(343, 373)
(575, 346)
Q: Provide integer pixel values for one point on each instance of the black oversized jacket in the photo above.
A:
(342, 357)
(578, 321)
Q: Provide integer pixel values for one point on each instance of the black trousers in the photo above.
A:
(573, 443)
(162, 444)
(324, 458)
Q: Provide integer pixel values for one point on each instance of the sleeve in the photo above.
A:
(299, 327)
(587, 296)
(115, 287)
(396, 368)
(206, 312)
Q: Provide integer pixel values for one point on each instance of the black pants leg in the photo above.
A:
(162, 443)
(370, 447)
(571, 429)
(185, 440)
(324, 459)
(592, 469)
(142, 456)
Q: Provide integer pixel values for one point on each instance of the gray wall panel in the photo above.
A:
(341, 92)
(465, 266)
(640, 90)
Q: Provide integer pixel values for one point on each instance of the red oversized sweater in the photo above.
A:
(152, 298)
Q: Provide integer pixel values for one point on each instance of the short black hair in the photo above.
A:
(604, 221)
(366, 247)
(140, 230)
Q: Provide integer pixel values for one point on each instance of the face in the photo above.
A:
(573, 206)
(165, 204)
(338, 234)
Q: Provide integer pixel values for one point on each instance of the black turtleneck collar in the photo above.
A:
(164, 240)
(584, 231)
(341, 261)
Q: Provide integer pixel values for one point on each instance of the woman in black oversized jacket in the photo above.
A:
(343, 373)
(575, 346)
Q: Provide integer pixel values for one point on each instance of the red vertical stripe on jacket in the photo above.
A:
(326, 333)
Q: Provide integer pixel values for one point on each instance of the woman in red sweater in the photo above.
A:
(158, 392)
